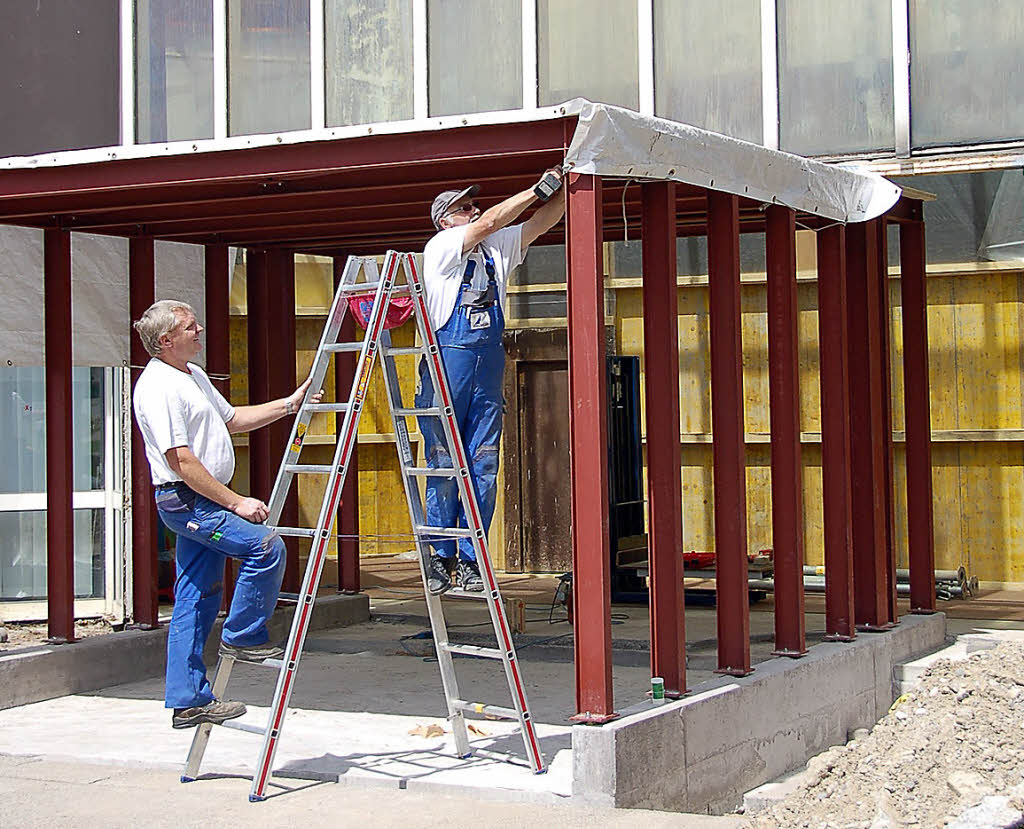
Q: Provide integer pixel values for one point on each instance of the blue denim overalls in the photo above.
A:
(474, 360)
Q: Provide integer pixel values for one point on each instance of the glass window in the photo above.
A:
(974, 217)
(23, 554)
(268, 66)
(835, 76)
(964, 55)
(476, 56)
(589, 49)
(60, 65)
(368, 50)
(173, 70)
(23, 422)
(707, 65)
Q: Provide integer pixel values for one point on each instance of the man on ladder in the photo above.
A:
(466, 266)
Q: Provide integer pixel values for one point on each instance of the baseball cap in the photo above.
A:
(442, 204)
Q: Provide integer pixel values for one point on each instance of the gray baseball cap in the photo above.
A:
(444, 201)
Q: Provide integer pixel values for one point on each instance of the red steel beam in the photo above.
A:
(837, 508)
(920, 526)
(281, 368)
(60, 523)
(664, 491)
(348, 509)
(728, 439)
(784, 396)
(486, 143)
(867, 439)
(145, 565)
(218, 352)
(588, 442)
(258, 323)
(888, 449)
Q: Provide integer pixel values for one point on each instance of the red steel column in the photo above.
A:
(261, 470)
(218, 352)
(60, 538)
(281, 367)
(588, 448)
(348, 510)
(835, 434)
(784, 395)
(145, 566)
(920, 528)
(727, 431)
(664, 490)
(867, 441)
(888, 460)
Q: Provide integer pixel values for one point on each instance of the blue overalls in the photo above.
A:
(474, 360)
(207, 535)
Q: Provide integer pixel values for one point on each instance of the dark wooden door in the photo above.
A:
(543, 427)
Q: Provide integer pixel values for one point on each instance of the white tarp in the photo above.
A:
(611, 141)
(100, 326)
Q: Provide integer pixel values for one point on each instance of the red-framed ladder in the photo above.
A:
(399, 277)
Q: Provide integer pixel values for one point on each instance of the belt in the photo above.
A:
(176, 486)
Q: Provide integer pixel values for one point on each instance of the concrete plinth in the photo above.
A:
(701, 753)
(36, 674)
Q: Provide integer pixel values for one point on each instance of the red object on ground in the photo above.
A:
(693, 560)
(399, 309)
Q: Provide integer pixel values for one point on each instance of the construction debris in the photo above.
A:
(948, 753)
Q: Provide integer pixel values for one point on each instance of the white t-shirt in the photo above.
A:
(444, 266)
(174, 409)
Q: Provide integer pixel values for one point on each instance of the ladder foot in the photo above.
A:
(257, 798)
(466, 756)
(185, 779)
(541, 771)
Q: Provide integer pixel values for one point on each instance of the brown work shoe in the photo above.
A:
(214, 712)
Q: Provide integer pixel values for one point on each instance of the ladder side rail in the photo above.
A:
(321, 363)
(328, 510)
(414, 499)
(474, 519)
(202, 734)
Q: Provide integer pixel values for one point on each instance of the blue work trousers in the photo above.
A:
(207, 535)
(474, 362)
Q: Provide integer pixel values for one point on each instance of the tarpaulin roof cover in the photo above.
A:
(611, 141)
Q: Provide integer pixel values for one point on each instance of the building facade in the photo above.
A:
(916, 89)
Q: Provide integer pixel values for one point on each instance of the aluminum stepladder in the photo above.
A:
(377, 339)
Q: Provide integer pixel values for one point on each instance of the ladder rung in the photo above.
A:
(371, 288)
(411, 349)
(356, 346)
(444, 472)
(445, 532)
(242, 726)
(475, 650)
(459, 593)
(432, 411)
(309, 468)
(326, 407)
(296, 532)
(487, 710)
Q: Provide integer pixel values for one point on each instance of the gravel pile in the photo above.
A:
(949, 753)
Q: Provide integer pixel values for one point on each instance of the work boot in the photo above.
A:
(469, 576)
(439, 579)
(254, 654)
(215, 712)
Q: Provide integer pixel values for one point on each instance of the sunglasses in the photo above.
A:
(468, 207)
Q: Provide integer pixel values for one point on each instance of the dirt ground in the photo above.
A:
(955, 741)
(31, 634)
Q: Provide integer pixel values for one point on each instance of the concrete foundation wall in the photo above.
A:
(36, 674)
(701, 753)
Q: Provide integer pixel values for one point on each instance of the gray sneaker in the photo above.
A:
(439, 578)
(469, 577)
(254, 654)
(214, 712)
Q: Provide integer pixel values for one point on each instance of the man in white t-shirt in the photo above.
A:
(187, 426)
(466, 266)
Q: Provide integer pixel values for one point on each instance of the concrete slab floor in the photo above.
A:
(362, 689)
